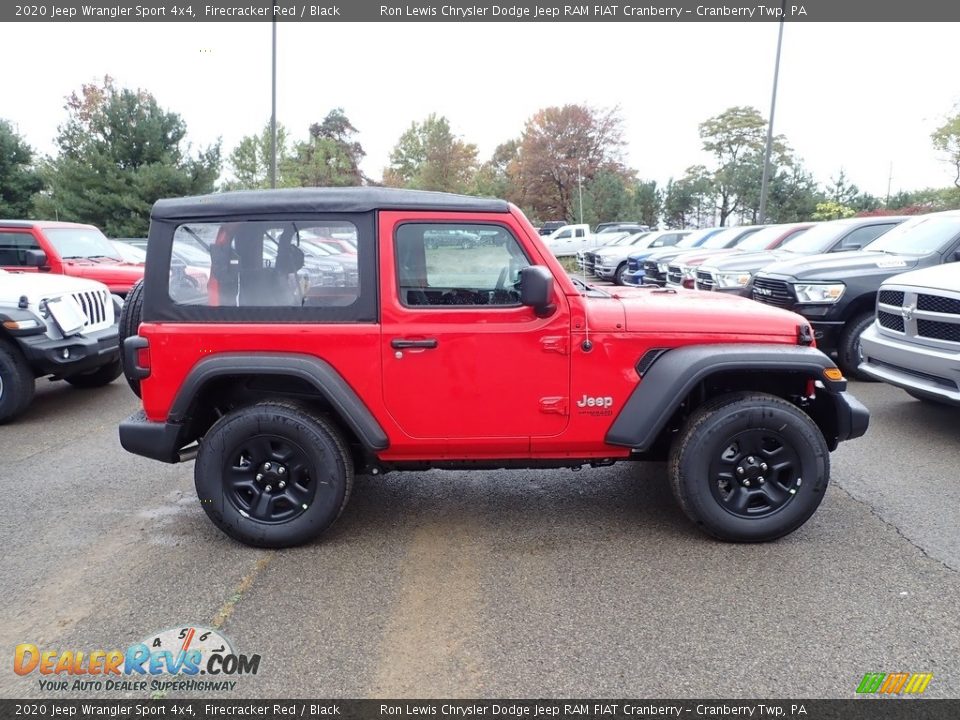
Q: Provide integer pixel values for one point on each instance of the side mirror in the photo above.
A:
(35, 258)
(536, 289)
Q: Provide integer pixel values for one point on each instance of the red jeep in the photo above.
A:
(284, 378)
(65, 248)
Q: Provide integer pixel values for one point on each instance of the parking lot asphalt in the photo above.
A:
(491, 584)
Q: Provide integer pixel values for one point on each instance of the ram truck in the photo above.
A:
(457, 357)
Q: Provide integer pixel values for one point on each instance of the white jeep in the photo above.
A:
(55, 325)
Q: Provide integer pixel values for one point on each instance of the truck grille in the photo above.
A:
(651, 274)
(94, 304)
(935, 303)
(633, 264)
(674, 275)
(938, 330)
(704, 280)
(891, 297)
(589, 262)
(890, 321)
(772, 292)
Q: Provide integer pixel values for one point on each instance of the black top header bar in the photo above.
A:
(480, 11)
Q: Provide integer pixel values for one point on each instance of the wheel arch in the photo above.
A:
(680, 380)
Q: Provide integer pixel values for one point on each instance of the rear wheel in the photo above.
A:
(16, 382)
(129, 325)
(273, 475)
(850, 354)
(749, 467)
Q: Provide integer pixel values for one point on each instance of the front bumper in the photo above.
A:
(827, 334)
(84, 352)
(602, 271)
(633, 277)
(925, 370)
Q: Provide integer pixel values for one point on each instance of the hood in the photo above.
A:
(39, 287)
(939, 277)
(696, 257)
(112, 274)
(688, 312)
(746, 262)
(840, 266)
(666, 255)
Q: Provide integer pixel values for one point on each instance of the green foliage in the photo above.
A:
(689, 201)
(946, 139)
(832, 210)
(249, 161)
(119, 153)
(428, 156)
(19, 180)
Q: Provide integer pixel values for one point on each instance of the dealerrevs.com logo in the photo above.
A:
(183, 653)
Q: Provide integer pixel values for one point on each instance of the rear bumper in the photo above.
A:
(155, 440)
(925, 370)
(84, 353)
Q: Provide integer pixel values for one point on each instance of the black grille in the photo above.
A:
(651, 274)
(589, 262)
(674, 275)
(935, 303)
(938, 330)
(890, 321)
(891, 297)
(772, 292)
(704, 280)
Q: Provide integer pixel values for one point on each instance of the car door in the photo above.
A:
(463, 361)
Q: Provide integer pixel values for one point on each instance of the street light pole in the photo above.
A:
(580, 190)
(273, 109)
(764, 182)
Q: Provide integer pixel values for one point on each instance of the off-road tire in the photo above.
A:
(713, 431)
(103, 375)
(314, 439)
(128, 326)
(848, 351)
(16, 382)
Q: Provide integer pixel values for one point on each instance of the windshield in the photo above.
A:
(919, 236)
(695, 237)
(818, 239)
(73, 243)
(130, 253)
(761, 239)
(723, 238)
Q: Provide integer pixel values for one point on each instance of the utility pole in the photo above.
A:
(273, 109)
(764, 182)
(889, 182)
(580, 190)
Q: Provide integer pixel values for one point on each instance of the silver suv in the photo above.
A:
(915, 341)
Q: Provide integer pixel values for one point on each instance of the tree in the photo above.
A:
(737, 139)
(19, 180)
(249, 161)
(689, 201)
(119, 153)
(337, 129)
(845, 193)
(495, 178)
(428, 156)
(560, 148)
(647, 200)
(832, 210)
(946, 139)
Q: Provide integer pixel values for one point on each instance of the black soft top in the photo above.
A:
(327, 200)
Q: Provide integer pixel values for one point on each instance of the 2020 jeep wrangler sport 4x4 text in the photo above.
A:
(296, 366)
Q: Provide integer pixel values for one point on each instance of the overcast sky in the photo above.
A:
(856, 96)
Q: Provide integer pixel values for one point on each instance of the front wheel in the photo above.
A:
(850, 354)
(273, 475)
(618, 275)
(749, 467)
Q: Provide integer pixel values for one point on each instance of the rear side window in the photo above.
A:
(14, 246)
(265, 264)
(861, 236)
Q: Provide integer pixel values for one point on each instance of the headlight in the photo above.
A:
(819, 293)
(731, 279)
(662, 267)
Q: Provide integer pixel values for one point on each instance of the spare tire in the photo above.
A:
(129, 325)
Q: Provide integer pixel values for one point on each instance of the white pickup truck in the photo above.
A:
(569, 239)
(56, 325)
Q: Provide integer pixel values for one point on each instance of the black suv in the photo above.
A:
(838, 293)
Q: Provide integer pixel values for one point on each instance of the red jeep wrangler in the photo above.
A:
(292, 369)
(64, 248)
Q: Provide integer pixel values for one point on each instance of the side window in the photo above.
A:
(277, 263)
(580, 232)
(14, 246)
(861, 236)
(457, 264)
(564, 235)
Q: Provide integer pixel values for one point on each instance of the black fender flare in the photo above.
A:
(675, 373)
(320, 374)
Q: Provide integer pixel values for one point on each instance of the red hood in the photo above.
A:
(119, 277)
(688, 312)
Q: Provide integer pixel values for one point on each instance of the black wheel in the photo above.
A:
(16, 382)
(273, 475)
(129, 325)
(618, 275)
(849, 354)
(749, 467)
(103, 375)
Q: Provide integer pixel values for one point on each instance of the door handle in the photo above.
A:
(399, 344)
